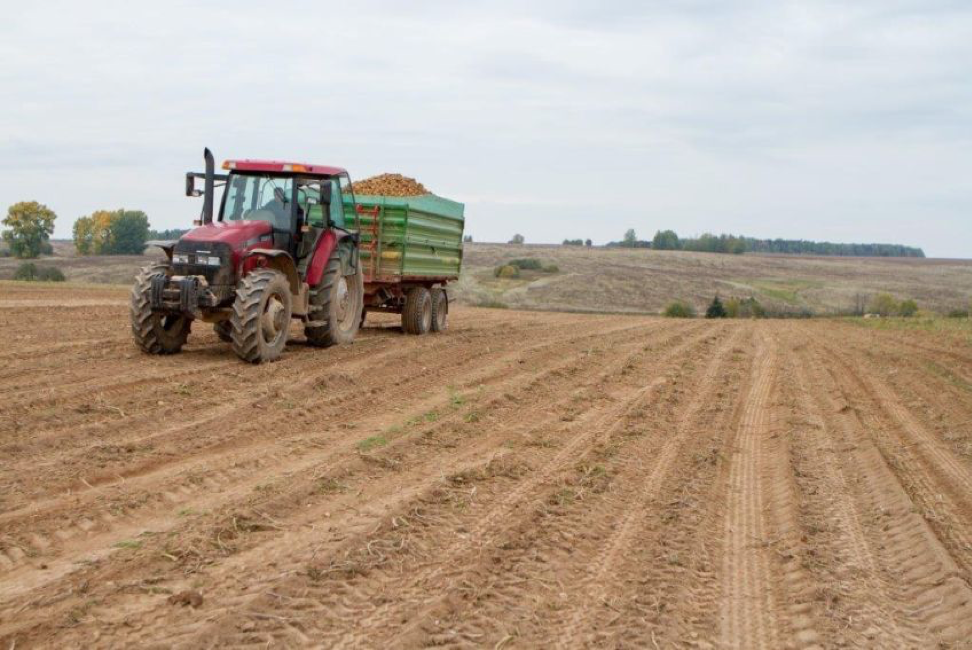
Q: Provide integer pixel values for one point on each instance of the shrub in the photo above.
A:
(751, 308)
(679, 309)
(26, 272)
(507, 271)
(884, 304)
(958, 313)
(715, 310)
(731, 306)
(527, 264)
(551, 268)
(50, 274)
(908, 308)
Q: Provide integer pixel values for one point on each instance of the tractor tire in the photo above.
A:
(155, 332)
(224, 331)
(440, 310)
(261, 316)
(417, 315)
(337, 301)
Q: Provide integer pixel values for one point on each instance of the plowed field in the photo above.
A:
(522, 480)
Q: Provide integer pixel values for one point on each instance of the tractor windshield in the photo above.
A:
(259, 197)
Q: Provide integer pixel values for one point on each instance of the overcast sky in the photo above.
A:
(844, 121)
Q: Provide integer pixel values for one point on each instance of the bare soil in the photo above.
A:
(522, 480)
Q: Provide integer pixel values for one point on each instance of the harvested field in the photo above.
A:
(521, 480)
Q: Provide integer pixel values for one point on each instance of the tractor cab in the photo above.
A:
(298, 202)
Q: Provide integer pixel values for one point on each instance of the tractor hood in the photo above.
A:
(237, 234)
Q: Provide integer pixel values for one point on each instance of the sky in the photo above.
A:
(838, 121)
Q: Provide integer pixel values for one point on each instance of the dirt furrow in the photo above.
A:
(925, 553)
(640, 348)
(651, 467)
(177, 484)
(749, 608)
(938, 483)
(337, 587)
(833, 460)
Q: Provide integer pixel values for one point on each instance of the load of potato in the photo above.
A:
(389, 185)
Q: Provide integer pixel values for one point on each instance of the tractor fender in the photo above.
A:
(322, 253)
(273, 259)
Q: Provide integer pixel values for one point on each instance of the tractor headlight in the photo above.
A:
(211, 261)
(179, 258)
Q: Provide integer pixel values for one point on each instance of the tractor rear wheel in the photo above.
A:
(224, 330)
(155, 332)
(261, 316)
(337, 302)
(417, 315)
(440, 310)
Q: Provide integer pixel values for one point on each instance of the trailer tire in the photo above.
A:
(224, 331)
(338, 301)
(440, 310)
(261, 316)
(155, 332)
(417, 315)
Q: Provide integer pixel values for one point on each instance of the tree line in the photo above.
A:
(736, 245)
(29, 225)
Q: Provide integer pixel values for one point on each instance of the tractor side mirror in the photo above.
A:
(191, 185)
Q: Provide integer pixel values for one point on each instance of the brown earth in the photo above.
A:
(522, 480)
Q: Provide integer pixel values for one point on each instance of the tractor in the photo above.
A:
(279, 249)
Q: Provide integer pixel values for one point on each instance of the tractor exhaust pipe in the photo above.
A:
(207, 212)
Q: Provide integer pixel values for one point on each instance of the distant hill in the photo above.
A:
(600, 279)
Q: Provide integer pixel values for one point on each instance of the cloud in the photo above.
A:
(826, 120)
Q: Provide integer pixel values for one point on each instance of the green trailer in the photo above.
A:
(410, 249)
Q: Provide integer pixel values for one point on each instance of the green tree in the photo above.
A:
(129, 232)
(111, 232)
(666, 240)
(630, 238)
(29, 226)
(715, 310)
(517, 239)
(588, 243)
(83, 231)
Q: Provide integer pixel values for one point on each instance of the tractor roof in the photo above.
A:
(281, 166)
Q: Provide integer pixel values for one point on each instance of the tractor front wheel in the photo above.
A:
(261, 316)
(155, 332)
(417, 314)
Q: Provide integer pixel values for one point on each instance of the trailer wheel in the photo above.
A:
(155, 332)
(261, 316)
(338, 301)
(440, 310)
(224, 331)
(417, 315)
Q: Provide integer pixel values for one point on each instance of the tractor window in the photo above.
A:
(337, 205)
(260, 198)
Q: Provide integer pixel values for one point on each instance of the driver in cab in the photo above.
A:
(278, 206)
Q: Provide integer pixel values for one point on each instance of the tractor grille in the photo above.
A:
(221, 278)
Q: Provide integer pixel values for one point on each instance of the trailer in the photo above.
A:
(410, 249)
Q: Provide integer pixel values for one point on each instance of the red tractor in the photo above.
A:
(258, 264)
